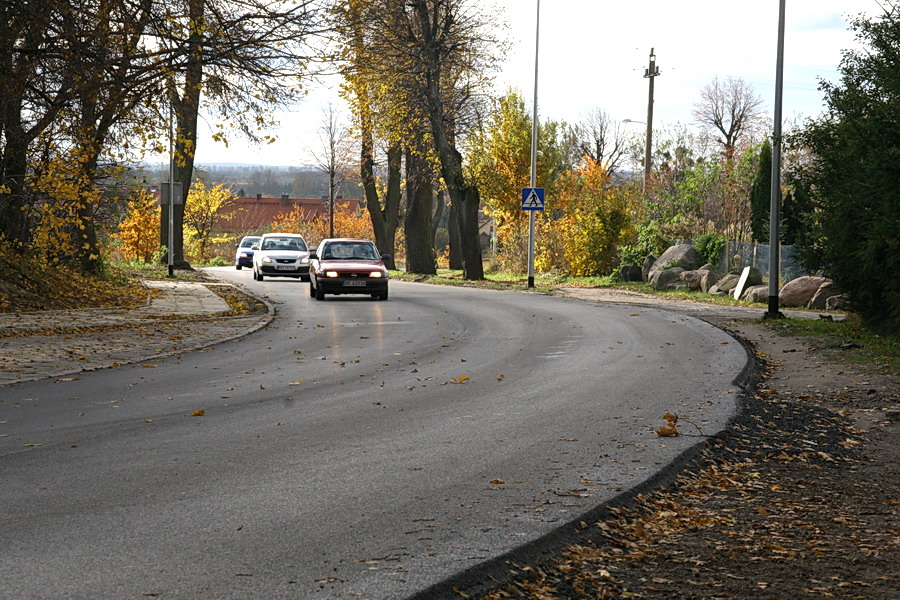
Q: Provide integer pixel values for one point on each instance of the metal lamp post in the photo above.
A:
(775, 198)
(534, 134)
(171, 240)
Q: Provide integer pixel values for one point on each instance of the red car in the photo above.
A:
(347, 266)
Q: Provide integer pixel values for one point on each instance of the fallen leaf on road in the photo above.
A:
(198, 413)
(460, 379)
(669, 429)
(298, 382)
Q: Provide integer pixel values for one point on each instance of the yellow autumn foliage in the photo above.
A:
(138, 233)
(596, 218)
(64, 194)
(202, 212)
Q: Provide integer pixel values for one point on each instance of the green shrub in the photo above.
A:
(710, 247)
(650, 240)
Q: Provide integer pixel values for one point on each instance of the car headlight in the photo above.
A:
(331, 273)
(376, 274)
(304, 260)
(266, 259)
(244, 255)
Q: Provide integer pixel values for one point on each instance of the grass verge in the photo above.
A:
(858, 344)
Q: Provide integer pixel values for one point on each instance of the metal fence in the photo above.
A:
(757, 255)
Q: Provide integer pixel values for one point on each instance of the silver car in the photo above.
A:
(281, 255)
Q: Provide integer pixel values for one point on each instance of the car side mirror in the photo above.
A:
(385, 257)
(313, 255)
(254, 247)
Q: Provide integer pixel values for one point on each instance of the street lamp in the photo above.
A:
(534, 150)
(775, 198)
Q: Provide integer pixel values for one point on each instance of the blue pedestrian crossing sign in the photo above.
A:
(532, 198)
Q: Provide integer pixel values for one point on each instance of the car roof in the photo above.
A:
(345, 240)
(282, 234)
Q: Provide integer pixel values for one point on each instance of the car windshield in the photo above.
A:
(284, 243)
(247, 242)
(350, 251)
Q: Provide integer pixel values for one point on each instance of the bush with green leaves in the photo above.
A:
(710, 247)
(649, 240)
(854, 177)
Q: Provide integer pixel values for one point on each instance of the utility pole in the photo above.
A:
(651, 72)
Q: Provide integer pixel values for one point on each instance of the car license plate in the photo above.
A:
(354, 283)
(285, 267)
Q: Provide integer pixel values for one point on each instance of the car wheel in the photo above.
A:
(254, 274)
(383, 295)
(259, 276)
(238, 267)
(320, 295)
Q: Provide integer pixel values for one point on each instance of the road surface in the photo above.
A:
(353, 448)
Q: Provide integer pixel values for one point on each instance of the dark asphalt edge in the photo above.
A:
(261, 323)
(495, 573)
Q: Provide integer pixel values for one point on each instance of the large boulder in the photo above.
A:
(661, 280)
(820, 298)
(836, 302)
(800, 291)
(649, 260)
(756, 293)
(683, 256)
(725, 285)
(700, 280)
(691, 280)
(708, 278)
(630, 273)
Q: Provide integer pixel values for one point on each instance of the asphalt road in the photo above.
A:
(353, 448)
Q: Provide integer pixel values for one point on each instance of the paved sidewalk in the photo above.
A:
(183, 316)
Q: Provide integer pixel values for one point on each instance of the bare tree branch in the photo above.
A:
(731, 107)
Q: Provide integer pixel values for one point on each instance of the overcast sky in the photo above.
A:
(593, 54)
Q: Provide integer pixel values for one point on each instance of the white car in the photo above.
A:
(281, 255)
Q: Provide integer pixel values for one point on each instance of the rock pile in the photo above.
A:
(678, 268)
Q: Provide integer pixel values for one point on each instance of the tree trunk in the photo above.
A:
(439, 207)
(88, 247)
(13, 169)
(417, 224)
(187, 110)
(456, 255)
(384, 220)
(464, 195)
